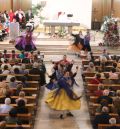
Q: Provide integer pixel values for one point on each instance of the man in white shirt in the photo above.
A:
(5, 108)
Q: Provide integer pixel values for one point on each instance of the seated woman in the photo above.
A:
(21, 97)
(13, 55)
(18, 89)
(5, 90)
(12, 83)
(6, 70)
(99, 91)
(113, 74)
(96, 80)
(22, 55)
(91, 67)
(30, 55)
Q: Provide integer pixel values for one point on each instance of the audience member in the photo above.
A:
(96, 80)
(99, 92)
(21, 108)
(21, 97)
(103, 118)
(113, 74)
(116, 102)
(107, 79)
(91, 67)
(12, 118)
(112, 122)
(12, 83)
(6, 70)
(105, 96)
(5, 108)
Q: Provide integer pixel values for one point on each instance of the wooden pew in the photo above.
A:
(95, 105)
(108, 68)
(32, 84)
(25, 126)
(92, 74)
(93, 99)
(28, 90)
(93, 87)
(88, 79)
(30, 107)
(113, 115)
(31, 76)
(86, 62)
(104, 126)
(89, 74)
(20, 116)
(30, 99)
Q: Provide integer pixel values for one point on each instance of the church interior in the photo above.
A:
(59, 64)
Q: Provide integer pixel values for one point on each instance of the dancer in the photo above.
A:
(25, 42)
(78, 42)
(63, 98)
(87, 41)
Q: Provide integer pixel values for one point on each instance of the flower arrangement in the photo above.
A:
(62, 32)
(110, 30)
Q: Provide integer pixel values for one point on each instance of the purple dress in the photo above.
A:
(25, 42)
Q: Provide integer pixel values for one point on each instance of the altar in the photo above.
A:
(54, 23)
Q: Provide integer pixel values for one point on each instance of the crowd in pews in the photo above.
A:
(101, 76)
(8, 17)
(21, 75)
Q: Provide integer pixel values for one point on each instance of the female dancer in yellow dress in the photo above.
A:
(63, 98)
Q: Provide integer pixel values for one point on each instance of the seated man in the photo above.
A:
(103, 118)
(112, 122)
(105, 96)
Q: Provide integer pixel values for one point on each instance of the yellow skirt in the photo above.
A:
(62, 101)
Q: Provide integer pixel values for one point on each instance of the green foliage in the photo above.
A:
(36, 9)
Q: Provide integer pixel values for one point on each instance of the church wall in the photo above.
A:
(100, 8)
(17, 4)
(104, 8)
(22, 4)
(5, 5)
(116, 8)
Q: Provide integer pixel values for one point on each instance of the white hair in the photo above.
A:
(7, 101)
(112, 121)
(105, 109)
(35, 65)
